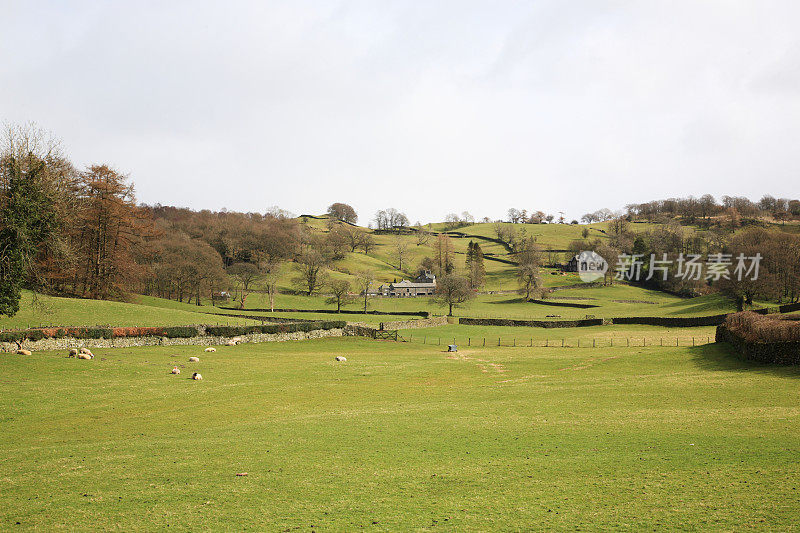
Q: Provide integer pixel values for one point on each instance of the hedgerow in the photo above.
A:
(175, 332)
(234, 331)
(753, 327)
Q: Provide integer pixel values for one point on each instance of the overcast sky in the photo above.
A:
(429, 107)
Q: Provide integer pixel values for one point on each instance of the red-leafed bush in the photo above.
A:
(753, 327)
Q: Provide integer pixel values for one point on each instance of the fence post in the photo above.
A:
(469, 341)
(693, 341)
(593, 342)
(515, 342)
(498, 341)
(562, 343)
(628, 341)
(662, 341)
(484, 342)
(531, 342)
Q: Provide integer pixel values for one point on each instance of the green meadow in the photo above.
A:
(403, 436)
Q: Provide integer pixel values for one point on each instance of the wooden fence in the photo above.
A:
(561, 342)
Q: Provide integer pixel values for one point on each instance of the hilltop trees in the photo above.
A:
(343, 212)
(390, 219)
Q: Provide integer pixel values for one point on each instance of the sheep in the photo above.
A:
(86, 351)
(73, 352)
(84, 356)
(231, 343)
(176, 370)
(210, 349)
(194, 359)
(341, 358)
(22, 351)
(196, 376)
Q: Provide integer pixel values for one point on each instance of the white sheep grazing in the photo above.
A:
(341, 358)
(194, 359)
(84, 356)
(176, 370)
(210, 349)
(231, 343)
(73, 352)
(23, 352)
(197, 376)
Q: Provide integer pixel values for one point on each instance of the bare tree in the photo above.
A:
(453, 291)
(400, 251)
(340, 293)
(364, 281)
(311, 269)
(245, 274)
(528, 277)
(354, 237)
(422, 235)
(272, 273)
(367, 242)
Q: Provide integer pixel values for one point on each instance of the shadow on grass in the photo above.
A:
(508, 301)
(723, 357)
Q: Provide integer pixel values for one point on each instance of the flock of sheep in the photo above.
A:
(86, 353)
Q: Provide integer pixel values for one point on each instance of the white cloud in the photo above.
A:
(431, 107)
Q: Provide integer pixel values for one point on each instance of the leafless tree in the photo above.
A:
(311, 269)
(364, 281)
(245, 274)
(400, 251)
(340, 293)
(453, 291)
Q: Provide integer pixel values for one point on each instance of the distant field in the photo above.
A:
(612, 301)
(401, 437)
(42, 310)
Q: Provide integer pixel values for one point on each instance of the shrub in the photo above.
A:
(12, 336)
(180, 332)
(753, 327)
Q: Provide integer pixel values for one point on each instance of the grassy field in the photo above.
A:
(401, 437)
(39, 310)
(584, 337)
